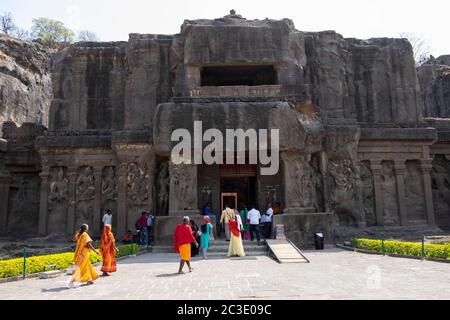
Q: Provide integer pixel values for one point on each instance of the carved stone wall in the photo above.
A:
(138, 191)
(85, 195)
(390, 197)
(109, 192)
(162, 188)
(183, 188)
(23, 213)
(58, 199)
(368, 197)
(415, 198)
(440, 183)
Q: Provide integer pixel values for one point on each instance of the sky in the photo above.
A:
(113, 20)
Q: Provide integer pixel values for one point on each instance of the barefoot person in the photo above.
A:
(83, 270)
(236, 248)
(182, 243)
(108, 250)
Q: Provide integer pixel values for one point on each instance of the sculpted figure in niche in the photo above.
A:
(162, 185)
(85, 190)
(58, 188)
(138, 186)
(389, 187)
(317, 184)
(440, 184)
(414, 192)
(341, 190)
(109, 191)
(182, 183)
(367, 191)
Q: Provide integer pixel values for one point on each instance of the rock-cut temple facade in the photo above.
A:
(364, 138)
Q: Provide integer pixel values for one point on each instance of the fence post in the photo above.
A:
(24, 262)
(353, 242)
(423, 246)
(382, 244)
(131, 247)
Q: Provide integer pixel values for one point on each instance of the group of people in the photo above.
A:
(250, 221)
(189, 238)
(83, 270)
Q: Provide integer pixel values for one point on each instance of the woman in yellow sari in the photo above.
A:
(83, 270)
(108, 250)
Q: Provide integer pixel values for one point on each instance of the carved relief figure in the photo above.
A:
(85, 194)
(389, 189)
(440, 186)
(367, 193)
(23, 208)
(318, 198)
(58, 201)
(341, 181)
(181, 181)
(163, 189)
(138, 184)
(109, 190)
(414, 192)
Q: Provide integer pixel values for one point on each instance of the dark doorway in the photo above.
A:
(238, 76)
(244, 187)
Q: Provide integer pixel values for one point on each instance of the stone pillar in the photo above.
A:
(375, 166)
(97, 201)
(72, 190)
(122, 198)
(400, 171)
(298, 187)
(425, 167)
(43, 202)
(5, 182)
(182, 189)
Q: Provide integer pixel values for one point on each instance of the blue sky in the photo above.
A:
(114, 20)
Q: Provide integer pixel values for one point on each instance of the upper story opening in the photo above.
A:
(254, 75)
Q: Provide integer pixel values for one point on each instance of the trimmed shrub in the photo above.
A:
(14, 267)
(441, 251)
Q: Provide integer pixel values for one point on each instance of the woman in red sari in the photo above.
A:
(108, 250)
(182, 240)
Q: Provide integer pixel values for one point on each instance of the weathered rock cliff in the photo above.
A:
(434, 77)
(25, 84)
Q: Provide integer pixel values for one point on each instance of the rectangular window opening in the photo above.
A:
(238, 75)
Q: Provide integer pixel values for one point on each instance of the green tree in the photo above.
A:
(51, 32)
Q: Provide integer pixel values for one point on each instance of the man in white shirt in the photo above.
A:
(267, 220)
(107, 218)
(253, 217)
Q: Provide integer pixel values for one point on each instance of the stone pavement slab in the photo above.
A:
(332, 274)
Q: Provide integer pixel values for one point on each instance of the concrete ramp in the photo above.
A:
(285, 251)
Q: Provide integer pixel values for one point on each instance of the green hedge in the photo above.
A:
(14, 267)
(441, 251)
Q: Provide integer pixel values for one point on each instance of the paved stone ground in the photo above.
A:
(332, 274)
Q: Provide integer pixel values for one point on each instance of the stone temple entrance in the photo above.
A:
(243, 187)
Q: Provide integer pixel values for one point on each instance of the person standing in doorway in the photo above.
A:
(244, 218)
(107, 218)
(227, 214)
(254, 216)
(205, 232)
(267, 220)
(182, 240)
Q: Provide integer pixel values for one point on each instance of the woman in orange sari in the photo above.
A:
(108, 250)
(83, 270)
